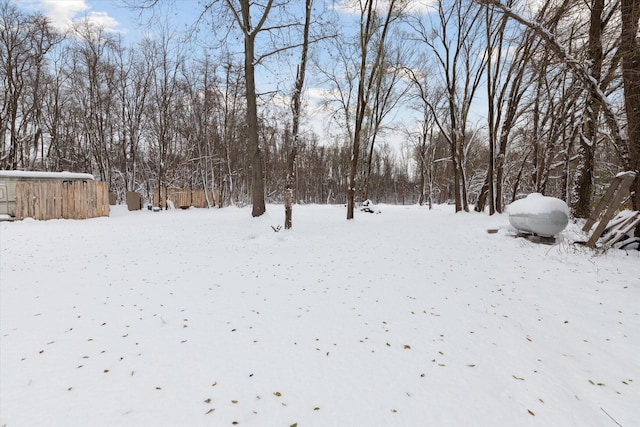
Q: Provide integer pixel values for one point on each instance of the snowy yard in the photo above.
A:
(407, 318)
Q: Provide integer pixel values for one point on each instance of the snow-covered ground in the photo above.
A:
(407, 318)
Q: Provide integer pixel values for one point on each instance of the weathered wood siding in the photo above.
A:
(180, 197)
(68, 200)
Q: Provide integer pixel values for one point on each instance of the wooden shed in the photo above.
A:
(51, 195)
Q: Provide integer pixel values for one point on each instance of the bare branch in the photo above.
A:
(578, 69)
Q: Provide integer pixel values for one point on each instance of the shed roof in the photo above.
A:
(45, 175)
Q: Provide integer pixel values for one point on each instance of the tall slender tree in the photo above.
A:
(94, 88)
(296, 99)
(454, 39)
(370, 26)
(388, 90)
(167, 62)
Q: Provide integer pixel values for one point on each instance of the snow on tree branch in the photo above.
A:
(580, 71)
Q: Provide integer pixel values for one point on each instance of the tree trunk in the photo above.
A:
(463, 176)
(367, 178)
(257, 183)
(290, 181)
(364, 90)
(630, 46)
(586, 151)
(360, 111)
(257, 180)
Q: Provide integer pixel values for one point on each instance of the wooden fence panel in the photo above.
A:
(163, 194)
(40, 202)
(34, 209)
(89, 195)
(23, 200)
(80, 193)
(70, 200)
(199, 199)
(102, 199)
(92, 201)
(181, 197)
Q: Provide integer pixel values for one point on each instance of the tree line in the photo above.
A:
(471, 102)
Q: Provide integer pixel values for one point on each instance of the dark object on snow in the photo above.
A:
(545, 240)
(134, 201)
(630, 244)
(619, 232)
(369, 207)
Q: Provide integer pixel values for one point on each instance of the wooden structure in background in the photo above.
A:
(134, 201)
(66, 199)
(611, 201)
(51, 195)
(186, 198)
(620, 228)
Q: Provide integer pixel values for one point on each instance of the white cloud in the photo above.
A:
(63, 13)
(352, 7)
(104, 20)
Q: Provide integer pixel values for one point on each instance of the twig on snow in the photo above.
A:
(612, 419)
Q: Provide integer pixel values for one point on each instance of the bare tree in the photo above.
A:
(454, 40)
(582, 192)
(273, 21)
(585, 74)
(134, 70)
(296, 97)
(167, 62)
(369, 27)
(250, 19)
(230, 123)
(339, 75)
(388, 90)
(424, 96)
(495, 34)
(92, 76)
(25, 40)
(507, 82)
(53, 101)
(244, 12)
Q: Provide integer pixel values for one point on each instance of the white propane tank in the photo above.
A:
(538, 214)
